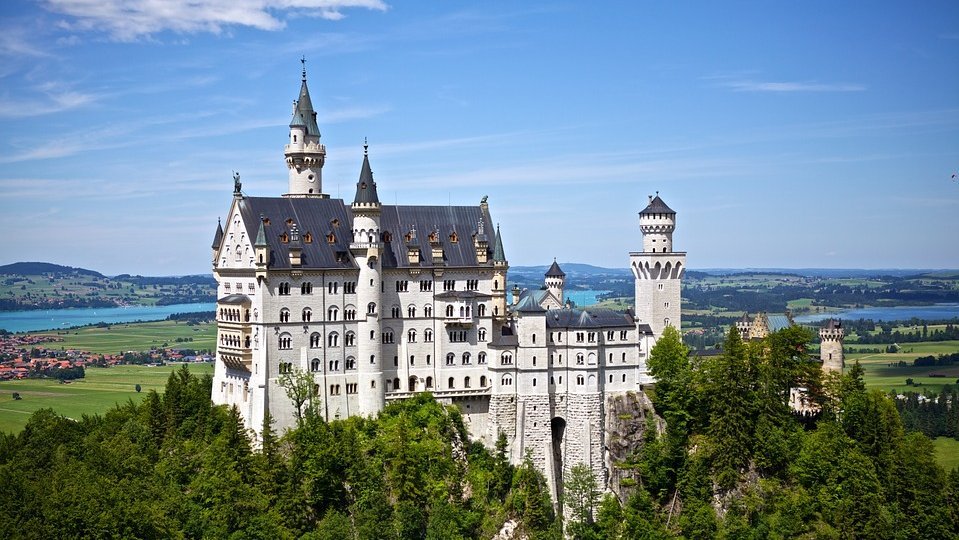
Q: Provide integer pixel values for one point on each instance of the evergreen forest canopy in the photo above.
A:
(732, 462)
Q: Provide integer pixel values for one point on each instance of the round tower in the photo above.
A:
(304, 153)
(500, 268)
(366, 249)
(555, 281)
(657, 222)
(831, 337)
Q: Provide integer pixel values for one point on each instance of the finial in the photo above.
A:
(657, 193)
(303, 61)
(365, 147)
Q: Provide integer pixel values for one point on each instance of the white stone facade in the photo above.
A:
(377, 307)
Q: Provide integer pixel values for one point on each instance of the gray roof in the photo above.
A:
(588, 318)
(260, 235)
(498, 254)
(778, 322)
(657, 206)
(528, 304)
(303, 114)
(218, 237)
(555, 271)
(463, 294)
(234, 299)
(321, 217)
(833, 324)
(365, 186)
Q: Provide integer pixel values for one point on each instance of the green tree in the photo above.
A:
(580, 496)
(299, 387)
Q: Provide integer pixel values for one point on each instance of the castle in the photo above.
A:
(377, 303)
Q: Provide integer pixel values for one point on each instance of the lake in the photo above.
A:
(56, 319)
(899, 313)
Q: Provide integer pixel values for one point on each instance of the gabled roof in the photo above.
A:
(555, 271)
(588, 318)
(657, 206)
(777, 322)
(365, 186)
(234, 299)
(218, 237)
(528, 304)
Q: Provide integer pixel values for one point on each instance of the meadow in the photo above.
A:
(947, 452)
(96, 393)
(882, 372)
(122, 337)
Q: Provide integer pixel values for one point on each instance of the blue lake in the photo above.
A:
(900, 313)
(56, 319)
(583, 297)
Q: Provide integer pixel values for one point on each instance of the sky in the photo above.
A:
(784, 134)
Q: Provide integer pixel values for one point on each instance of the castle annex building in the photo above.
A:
(378, 302)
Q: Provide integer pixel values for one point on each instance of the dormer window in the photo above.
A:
(330, 238)
(308, 238)
(434, 237)
(453, 238)
(387, 236)
(289, 222)
(335, 222)
(285, 238)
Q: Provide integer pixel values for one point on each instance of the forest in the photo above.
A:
(730, 461)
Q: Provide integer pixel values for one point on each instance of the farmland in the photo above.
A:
(117, 338)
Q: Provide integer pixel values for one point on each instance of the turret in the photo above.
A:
(261, 250)
(481, 243)
(366, 249)
(217, 240)
(555, 281)
(657, 221)
(831, 337)
(500, 267)
(304, 153)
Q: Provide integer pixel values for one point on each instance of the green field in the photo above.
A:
(138, 337)
(94, 394)
(880, 374)
(947, 452)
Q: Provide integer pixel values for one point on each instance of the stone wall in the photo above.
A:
(627, 415)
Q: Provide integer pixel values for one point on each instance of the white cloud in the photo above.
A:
(129, 20)
(746, 85)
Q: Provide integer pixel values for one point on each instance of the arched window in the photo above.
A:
(580, 360)
(332, 339)
(238, 253)
(450, 358)
(506, 359)
(427, 311)
(396, 384)
(283, 289)
(507, 380)
(580, 380)
(411, 312)
(332, 313)
(371, 308)
(306, 288)
(395, 312)
(315, 364)
(481, 334)
(466, 358)
(349, 339)
(411, 336)
(482, 381)
(314, 340)
(481, 358)
(307, 314)
(285, 341)
(428, 335)
(332, 287)
(466, 382)
(429, 383)
(412, 384)
(481, 309)
(449, 383)
(284, 315)
(246, 342)
(350, 362)
(462, 312)
(449, 311)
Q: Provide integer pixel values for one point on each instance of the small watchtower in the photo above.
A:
(556, 281)
(831, 336)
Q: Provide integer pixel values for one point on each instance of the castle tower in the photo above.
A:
(831, 336)
(555, 280)
(366, 249)
(500, 267)
(217, 240)
(658, 270)
(304, 153)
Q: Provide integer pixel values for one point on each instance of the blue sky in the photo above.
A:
(800, 134)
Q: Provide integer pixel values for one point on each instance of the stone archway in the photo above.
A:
(558, 430)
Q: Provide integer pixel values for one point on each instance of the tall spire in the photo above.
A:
(498, 254)
(260, 236)
(303, 113)
(218, 237)
(365, 186)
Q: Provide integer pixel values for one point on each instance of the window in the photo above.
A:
(609, 335)
(284, 315)
(351, 388)
(666, 321)
(429, 360)
(332, 339)
(592, 337)
(350, 339)
(660, 286)
(449, 383)
(624, 357)
(350, 362)
(314, 340)
(387, 336)
(411, 312)
(466, 382)
(286, 367)
(622, 335)
(449, 311)
(334, 389)
(307, 314)
(427, 311)
(412, 360)
(411, 336)
(371, 308)
(332, 313)
(624, 377)
(579, 337)
(458, 336)
(610, 358)
(402, 285)
(426, 286)
(395, 312)
(466, 358)
(507, 380)
(285, 342)
(534, 361)
(349, 287)
(450, 358)
(306, 288)
(429, 383)
(334, 365)
(665, 304)
(580, 380)
(481, 309)
(428, 335)
(481, 333)
(579, 359)
(481, 358)
(534, 381)
(332, 287)
(506, 359)
(534, 339)
(283, 289)
(349, 314)
(315, 364)
(482, 381)
(449, 284)
(472, 284)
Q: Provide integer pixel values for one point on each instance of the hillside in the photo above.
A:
(42, 268)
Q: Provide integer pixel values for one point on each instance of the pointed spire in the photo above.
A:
(555, 270)
(303, 114)
(498, 254)
(218, 237)
(261, 235)
(365, 186)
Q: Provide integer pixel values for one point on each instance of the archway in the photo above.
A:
(558, 429)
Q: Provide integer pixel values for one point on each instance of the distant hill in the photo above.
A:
(41, 268)
(571, 268)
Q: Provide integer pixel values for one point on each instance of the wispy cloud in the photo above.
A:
(51, 97)
(746, 85)
(126, 20)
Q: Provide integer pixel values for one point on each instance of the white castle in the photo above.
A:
(379, 302)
